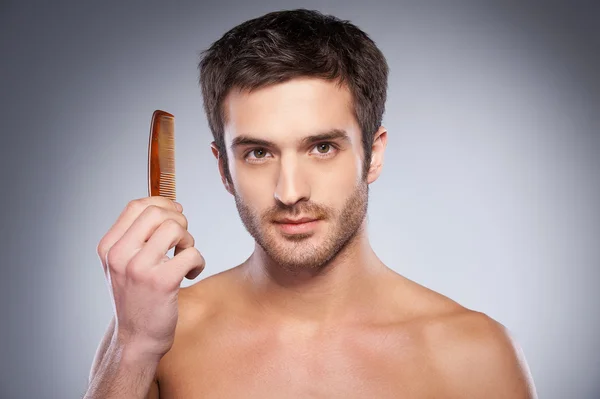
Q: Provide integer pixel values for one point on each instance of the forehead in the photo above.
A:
(289, 110)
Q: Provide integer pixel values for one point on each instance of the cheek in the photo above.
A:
(335, 193)
(334, 186)
(254, 189)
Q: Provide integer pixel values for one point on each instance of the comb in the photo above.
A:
(161, 155)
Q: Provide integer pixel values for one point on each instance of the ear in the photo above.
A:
(378, 150)
(215, 151)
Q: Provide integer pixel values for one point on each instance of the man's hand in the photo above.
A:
(143, 281)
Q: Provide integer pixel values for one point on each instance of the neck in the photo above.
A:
(345, 288)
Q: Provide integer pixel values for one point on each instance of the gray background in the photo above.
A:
(489, 193)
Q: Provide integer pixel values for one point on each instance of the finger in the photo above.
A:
(142, 230)
(131, 212)
(166, 236)
(189, 263)
(134, 227)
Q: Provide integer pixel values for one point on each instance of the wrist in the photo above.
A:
(134, 355)
(135, 352)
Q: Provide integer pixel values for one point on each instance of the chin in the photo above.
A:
(297, 266)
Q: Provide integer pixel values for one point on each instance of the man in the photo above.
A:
(295, 101)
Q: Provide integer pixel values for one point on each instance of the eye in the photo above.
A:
(321, 146)
(325, 149)
(259, 154)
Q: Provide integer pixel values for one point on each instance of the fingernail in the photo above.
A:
(179, 206)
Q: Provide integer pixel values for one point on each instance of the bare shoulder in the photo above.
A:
(474, 355)
(201, 302)
(477, 356)
(199, 307)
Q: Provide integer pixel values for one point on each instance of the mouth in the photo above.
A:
(297, 226)
(295, 221)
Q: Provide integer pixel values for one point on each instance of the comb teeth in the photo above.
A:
(166, 146)
(167, 183)
(161, 155)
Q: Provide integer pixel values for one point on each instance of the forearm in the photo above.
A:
(123, 373)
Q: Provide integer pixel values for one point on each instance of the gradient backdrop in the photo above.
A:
(489, 193)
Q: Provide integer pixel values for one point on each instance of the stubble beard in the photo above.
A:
(296, 253)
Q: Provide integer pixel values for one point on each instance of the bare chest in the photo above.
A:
(262, 366)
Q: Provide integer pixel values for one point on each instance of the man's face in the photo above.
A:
(286, 177)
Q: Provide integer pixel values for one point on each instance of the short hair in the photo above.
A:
(283, 45)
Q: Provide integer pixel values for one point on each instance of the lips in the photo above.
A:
(297, 226)
(296, 221)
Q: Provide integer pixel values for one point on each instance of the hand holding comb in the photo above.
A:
(161, 155)
(143, 281)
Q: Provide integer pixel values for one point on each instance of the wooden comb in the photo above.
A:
(161, 155)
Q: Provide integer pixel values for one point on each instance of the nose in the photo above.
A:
(292, 185)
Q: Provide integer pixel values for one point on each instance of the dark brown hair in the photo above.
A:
(283, 45)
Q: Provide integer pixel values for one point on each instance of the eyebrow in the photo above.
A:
(333, 134)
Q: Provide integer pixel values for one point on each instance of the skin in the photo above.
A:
(319, 315)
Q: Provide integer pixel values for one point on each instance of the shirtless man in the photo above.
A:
(295, 101)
